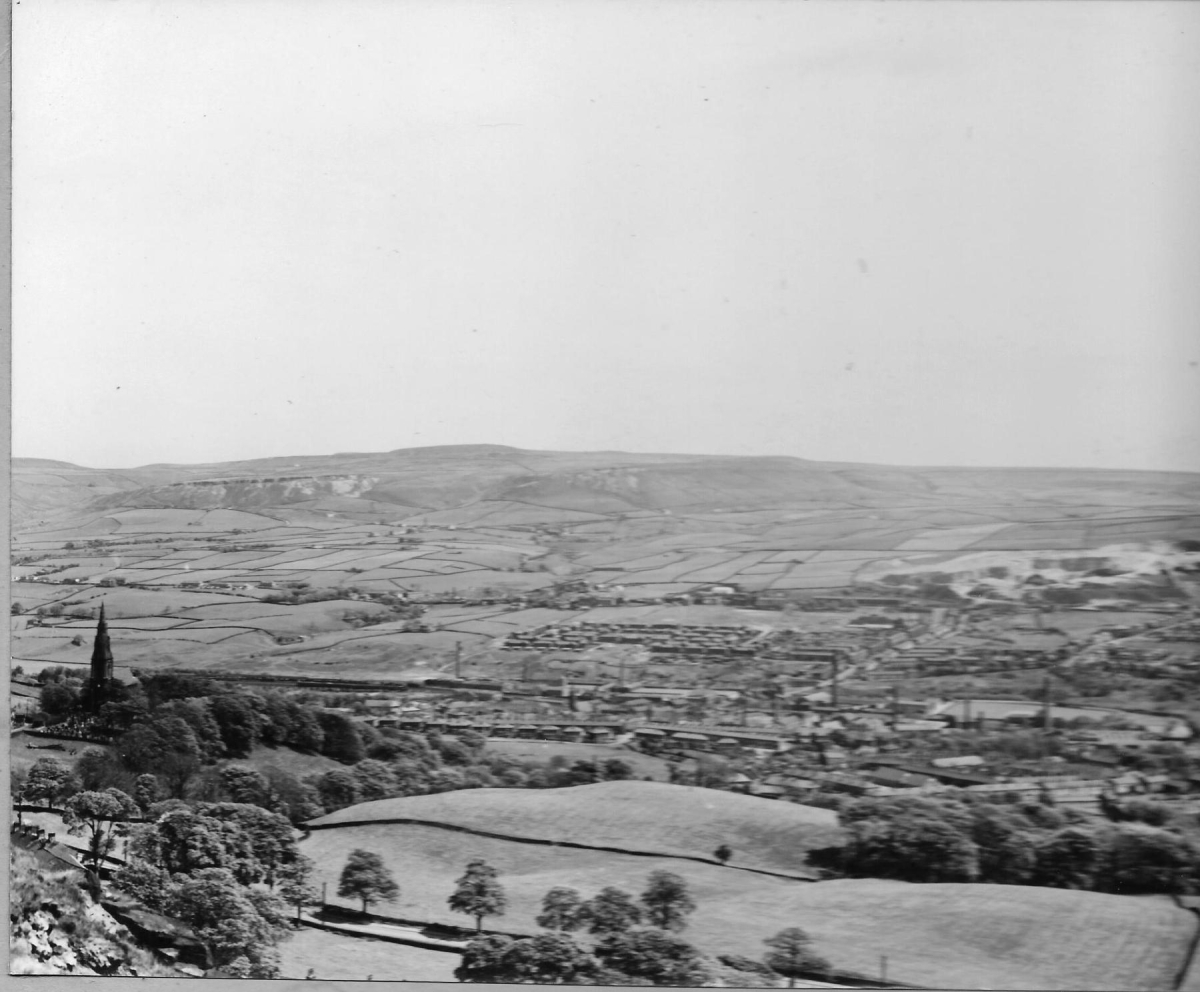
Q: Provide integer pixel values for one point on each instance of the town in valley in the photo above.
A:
(617, 634)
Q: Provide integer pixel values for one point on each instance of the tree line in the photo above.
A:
(184, 730)
(629, 940)
(1142, 847)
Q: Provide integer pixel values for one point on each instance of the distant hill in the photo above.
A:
(508, 485)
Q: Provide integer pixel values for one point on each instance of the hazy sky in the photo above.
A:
(918, 233)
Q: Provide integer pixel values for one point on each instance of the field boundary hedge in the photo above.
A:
(414, 822)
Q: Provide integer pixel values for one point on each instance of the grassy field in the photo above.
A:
(353, 959)
(426, 860)
(22, 758)
(641, 816)
(940, 936)
(984, 936)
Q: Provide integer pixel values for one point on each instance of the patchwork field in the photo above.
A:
(482, 522)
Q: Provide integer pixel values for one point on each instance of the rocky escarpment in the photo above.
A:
(56, 929)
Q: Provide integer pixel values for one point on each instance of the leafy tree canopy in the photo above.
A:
(366, 877)
(666, 901)
(478, 893)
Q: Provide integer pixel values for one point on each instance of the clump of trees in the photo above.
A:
(227, 870)
(1144, 849)
(633, 942)
(182, 729)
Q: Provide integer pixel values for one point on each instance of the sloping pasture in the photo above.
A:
(333, 956)
(644, 816)
(939, 936)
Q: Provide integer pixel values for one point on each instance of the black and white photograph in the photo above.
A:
(693, 493)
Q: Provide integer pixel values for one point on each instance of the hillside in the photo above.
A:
(939, 935)
(649, 817)
(510, 486)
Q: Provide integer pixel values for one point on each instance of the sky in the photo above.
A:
(918, 233)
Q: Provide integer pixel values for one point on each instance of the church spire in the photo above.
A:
(102, 659)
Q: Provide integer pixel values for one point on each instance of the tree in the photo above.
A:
(163, 686)
(546, 959)
(102, 817)
(295, 887)
(1067, 859)
(473, 740)
(197, 715)
(306, 734)
(240, 927)
(582, 772)
(791, 955)
(611, 910)
(276, 720)
(1007, 842)
(453, 751)
(667, 901)
(98, 769)
(1146, 811)
(477, 893)
(483, 959)
(366, 877)
(341, 740)
(120, 705)
(616, 770)
(561, 910)
(261, 842)
(237, 721)
(723, 853)
(911, 846)
(1139, 859)
(253, 844)
(299, 801)
(144, 747)
(246, 784)
(337, 789)
(375, 779)
(653, 955)
(49, 782)
(146, 791)
(57, 699)
(182, 841)
(147, 883)
(17, 780)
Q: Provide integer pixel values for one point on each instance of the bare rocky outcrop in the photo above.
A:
(56, 929)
